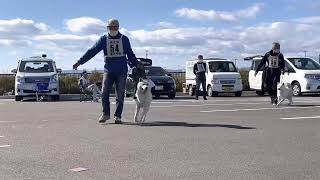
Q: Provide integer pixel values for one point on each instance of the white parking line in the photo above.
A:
(295, 118)
(201, 105)
(1, 136)
(4, 146)
(258, 109)
(8, 121)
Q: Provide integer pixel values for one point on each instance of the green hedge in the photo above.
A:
(6, 84)
(69, 84)
(245, 79)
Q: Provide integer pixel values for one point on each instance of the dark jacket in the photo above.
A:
(265, 60)
(116, 65)
(270, 74)
(196, 71)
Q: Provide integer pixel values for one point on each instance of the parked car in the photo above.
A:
(222, 76)
(301, 72)
(165, 84)
(36, 75)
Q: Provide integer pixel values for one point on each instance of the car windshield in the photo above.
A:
(304, 63)
(222, 66)
(36, 66)
(155, 71)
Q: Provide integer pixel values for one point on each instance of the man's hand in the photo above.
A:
(76, 65)
(140, 66)
(255, 74)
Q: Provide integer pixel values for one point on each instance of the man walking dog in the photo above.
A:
(117, 52)
(274, 66)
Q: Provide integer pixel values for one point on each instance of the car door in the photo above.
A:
(255, 82)
(289, 75)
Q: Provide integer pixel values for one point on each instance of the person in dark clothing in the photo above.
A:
(274, 66)
(200, 69)
(117, 52)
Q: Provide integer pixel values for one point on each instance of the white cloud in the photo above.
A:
(309, 20)
(17, 28)
(86, 25)
(172, 46)
(14, 43)
(213, 15)
(165, 25)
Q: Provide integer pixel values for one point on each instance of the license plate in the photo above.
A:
(42, 86)
(158, 88)
(228, 89)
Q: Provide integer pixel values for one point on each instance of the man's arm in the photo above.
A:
(92, 51)
(263, 62)
(281, 64)
(205, 67)
(195, 69)
(131, 56)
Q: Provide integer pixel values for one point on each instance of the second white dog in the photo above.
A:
(285, 92)
(144, 99)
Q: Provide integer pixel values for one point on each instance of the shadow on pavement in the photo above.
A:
(302, 105)
(184, 124)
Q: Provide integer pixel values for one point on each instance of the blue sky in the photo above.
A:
(173, 31)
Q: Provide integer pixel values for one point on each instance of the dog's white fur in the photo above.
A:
(285, 92)
(144, 99)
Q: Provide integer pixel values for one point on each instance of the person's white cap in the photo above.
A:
(113, 23)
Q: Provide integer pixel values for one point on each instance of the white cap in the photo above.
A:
(113, 23)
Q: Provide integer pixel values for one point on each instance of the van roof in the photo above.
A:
(258, 57)
(212, 59)
(36, 58)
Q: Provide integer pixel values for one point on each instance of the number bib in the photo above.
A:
(115, 48)
(273, 61)
(200, 67)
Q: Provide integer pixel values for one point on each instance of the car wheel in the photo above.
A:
(191, 90)
(18, 98)
(210, 92)
(55, 98)
(171, 96)
(238, 94)
(260, 93)
(296, 89)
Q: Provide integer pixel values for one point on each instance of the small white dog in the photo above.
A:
(144, 99)
(285, 92)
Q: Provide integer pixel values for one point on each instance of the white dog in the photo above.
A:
(144, 99)
(285, 92)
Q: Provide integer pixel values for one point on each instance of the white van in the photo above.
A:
(36, 75)
(301, 72)
(222, 76)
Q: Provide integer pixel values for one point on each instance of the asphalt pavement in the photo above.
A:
(222, 138)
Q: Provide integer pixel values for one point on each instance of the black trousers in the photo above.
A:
(271, 80)
(201, 80)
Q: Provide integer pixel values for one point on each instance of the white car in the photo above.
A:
(222, 77)
(301, 72)
(36, 75)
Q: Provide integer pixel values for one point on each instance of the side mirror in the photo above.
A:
(14, 71)
(59, 70)
(170, 74)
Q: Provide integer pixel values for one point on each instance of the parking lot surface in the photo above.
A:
(222, 138)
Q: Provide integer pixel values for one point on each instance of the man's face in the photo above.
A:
(113, 28)
(276, 51)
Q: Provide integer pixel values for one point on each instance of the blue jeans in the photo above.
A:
(120, 81)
